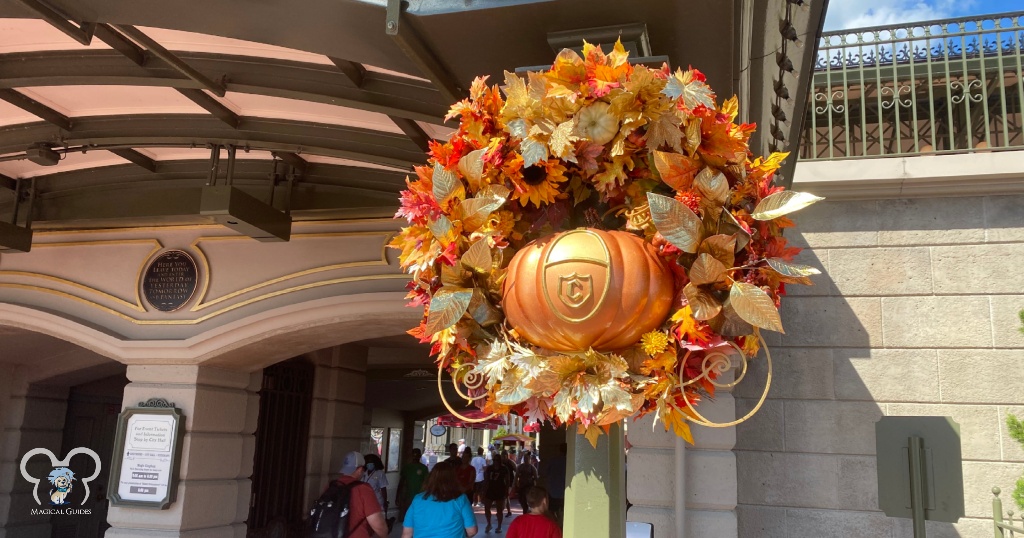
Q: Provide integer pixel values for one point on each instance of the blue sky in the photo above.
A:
(861, 13)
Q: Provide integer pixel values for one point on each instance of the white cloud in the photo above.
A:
(843, 14)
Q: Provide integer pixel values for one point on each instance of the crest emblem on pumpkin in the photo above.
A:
(575, 289)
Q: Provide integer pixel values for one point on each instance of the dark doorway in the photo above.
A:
(90, 422)
(282, 439)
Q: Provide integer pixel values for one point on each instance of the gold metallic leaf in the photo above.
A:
(482, 311)
(545, 383)
(533, 150)
(565, 366)
(783, 203)
(676, 222)
(561, 141)
(446, 185)
(729, 323)
(443, 230)
(446, 307)
(755, 306)
(703, 304)
(477, 209)
(721, 247)
(517, 128)
(706, 270)
(693, 92)
(592, 433)
(564, 405)
(788, 269)
(712, 185)
(454, 275)
(728, 225)
(513, 391)
(677, 171)
(472, 165)
(692, 140)
(478, 257)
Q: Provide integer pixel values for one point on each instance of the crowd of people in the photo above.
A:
(438, 502)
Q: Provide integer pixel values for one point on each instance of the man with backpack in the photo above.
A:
(348, 508)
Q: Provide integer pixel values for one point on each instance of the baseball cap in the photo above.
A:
(353, 460)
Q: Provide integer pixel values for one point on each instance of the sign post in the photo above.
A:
(920, 471)
(147, 454)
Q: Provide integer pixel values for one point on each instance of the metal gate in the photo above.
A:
(282, 439)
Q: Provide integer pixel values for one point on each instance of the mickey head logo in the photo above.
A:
(64, 478)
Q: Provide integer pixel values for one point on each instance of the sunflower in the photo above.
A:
(537, 184)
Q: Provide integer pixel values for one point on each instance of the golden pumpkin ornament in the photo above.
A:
(587, 288)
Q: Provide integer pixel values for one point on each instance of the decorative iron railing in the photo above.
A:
(948, 86)
(1004, 527)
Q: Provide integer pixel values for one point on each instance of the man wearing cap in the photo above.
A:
(366, 519)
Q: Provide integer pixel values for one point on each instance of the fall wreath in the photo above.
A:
(584, 245)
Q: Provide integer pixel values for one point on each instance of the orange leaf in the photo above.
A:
(677, 171)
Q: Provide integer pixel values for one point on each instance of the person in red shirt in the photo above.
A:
(366, 518)
(536, 524)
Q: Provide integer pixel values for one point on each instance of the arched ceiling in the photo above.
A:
(328, 103)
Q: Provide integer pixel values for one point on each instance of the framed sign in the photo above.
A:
(438, 430)
(170, 280)
(147, 454)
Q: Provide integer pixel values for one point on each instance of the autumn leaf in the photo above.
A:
(676, 170)
(693, 92)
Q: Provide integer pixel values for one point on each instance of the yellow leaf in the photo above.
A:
(478, 257)
(446, 307)
(783, 203)
(706, 270)
(446, 185)
(676, 222)
(755, 306)
(592, 434)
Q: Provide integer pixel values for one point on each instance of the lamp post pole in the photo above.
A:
(595, 499)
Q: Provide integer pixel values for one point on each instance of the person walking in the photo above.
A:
(526, 478)
(378, 480)
(479, 463)
(498, 482)
(538, 523)
(410, 481)
(467, 475)
(511, 465)
(366, 519)
(441, 511)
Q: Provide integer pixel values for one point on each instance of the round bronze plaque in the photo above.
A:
(170, 280)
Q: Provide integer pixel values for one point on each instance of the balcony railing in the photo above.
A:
(948, 86)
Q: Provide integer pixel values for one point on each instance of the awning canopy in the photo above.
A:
(452, 421)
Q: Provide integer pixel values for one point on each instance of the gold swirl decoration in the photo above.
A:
(472, 381)
(719, 361)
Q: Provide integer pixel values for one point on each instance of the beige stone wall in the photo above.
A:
(336, 418)
(916, 314)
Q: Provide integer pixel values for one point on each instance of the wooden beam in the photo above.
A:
(413, 131)
(211, 105)
(36, 108)
(353, 71)
(134, 156)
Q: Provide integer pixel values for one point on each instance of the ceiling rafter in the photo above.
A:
(188, 130)
(382, 93)
(353, 71)
(121, 44)
(81, 33)
(416, 49)
(156, 49)
(135, 157)
(413, 131)
(292, 159)
(211, 105)
(36, 108)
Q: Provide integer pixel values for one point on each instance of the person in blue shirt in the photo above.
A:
(442, 510)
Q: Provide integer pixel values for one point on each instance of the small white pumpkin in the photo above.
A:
(597, 124)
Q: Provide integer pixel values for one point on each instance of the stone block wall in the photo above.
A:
(915, 314)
